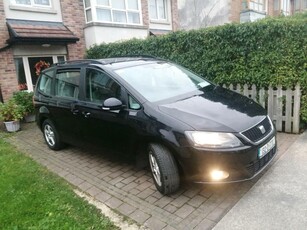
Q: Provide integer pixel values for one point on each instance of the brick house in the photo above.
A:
(195, 14)
(58, 30)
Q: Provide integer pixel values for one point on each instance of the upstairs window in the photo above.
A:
(256, 5)
(32, 3)
(113, 11)
(157, 10)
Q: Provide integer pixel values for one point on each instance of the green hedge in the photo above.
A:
(272, 51)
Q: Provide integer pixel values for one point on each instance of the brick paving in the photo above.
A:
(130, 191)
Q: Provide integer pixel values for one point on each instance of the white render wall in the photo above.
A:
(104, 34)
(29, 13)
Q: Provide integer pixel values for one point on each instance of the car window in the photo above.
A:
(67, 83)
(44, 84)
(99, 86)
(133, 104)
(162, 80)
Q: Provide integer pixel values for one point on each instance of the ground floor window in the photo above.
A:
(26, 71)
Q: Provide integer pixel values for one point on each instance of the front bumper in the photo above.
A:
(241, 163)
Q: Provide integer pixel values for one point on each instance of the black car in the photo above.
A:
(182, 122)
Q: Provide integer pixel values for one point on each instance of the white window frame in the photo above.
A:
(33, 4)
(256, 5)
(93, 8)
(25, 60)
(158, 19)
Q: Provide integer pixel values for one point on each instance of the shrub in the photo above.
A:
(25, 99)
(11, 111)
(272, 51)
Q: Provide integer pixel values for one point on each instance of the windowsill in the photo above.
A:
(32, 9)
(251, 10)
(159, 22)
(104, 24)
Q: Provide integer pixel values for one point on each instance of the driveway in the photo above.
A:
(131, 192)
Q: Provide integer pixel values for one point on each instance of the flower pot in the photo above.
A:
(30, 118)
(12, 126)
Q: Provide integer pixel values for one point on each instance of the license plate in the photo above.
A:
(266, 148)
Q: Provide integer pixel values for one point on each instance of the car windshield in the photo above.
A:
(160, 81)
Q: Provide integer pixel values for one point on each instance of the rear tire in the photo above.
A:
(51, 135)
(164, 169)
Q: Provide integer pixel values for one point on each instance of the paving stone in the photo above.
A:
(126, 209)
(146, 193)
(139, 216)
(205, 225)
(184, 211)
(197, 200)
(178, 202)
(155, 224)
(93, 191)
(163, 201)
(216, 214)
(103, 196)
(113, 202)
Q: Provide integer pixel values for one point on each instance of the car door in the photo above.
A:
(105, 128)
(66, 94)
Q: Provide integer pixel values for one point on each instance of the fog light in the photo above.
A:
(218, 175)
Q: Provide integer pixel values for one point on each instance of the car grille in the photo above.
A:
(254, 134)
(255, 166)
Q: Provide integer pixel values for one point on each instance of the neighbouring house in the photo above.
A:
(51, 31)
(195, 14)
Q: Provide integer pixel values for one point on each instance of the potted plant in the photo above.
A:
(11, 113)
(25, 99)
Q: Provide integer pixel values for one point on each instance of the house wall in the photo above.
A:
(73, 18)
(8, 81)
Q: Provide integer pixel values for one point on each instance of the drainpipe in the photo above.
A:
(1, 97)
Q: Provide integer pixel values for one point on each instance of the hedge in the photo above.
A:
(272, 51)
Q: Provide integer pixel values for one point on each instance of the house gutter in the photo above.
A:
(5, 47)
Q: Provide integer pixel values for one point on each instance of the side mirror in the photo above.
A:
(112, 104)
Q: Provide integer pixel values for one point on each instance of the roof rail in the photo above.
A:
(137, 56)
(81, 61)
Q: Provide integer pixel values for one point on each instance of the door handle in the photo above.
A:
(75, 111)
(86, 114)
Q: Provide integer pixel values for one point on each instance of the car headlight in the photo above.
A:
(213, 139)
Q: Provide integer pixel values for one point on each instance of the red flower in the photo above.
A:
(41, 65)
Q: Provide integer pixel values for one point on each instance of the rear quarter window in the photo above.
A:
(44, 84)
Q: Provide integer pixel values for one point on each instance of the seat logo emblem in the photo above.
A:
(261, 128)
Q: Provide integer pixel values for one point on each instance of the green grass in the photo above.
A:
(33, 198)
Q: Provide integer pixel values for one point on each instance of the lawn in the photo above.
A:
(31, 197)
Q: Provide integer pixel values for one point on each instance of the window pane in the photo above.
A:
(41, 63)
(153, 9)
(21, 76)
(119, 16)
(133, 4)
(61, 58)
(118, 4)
(133, 18)
(99, 86)
(304, 4)
(42, 2)
(103, 2)
(103, 15)
(45, 82)
(87, 3)
(67, 84)
(24, 2)
(89, 16)
(161, 9)
(276, 4)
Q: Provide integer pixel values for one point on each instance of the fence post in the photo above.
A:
(296, 109)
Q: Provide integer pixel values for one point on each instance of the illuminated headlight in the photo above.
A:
(213, 139)
(217, 175)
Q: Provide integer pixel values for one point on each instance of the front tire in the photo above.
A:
(164, 169)
(51, 135)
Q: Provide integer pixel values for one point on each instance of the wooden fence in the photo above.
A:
(283, 106)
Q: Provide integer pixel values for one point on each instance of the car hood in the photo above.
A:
(215, 109)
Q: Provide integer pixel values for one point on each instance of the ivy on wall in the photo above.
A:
(272, 51)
